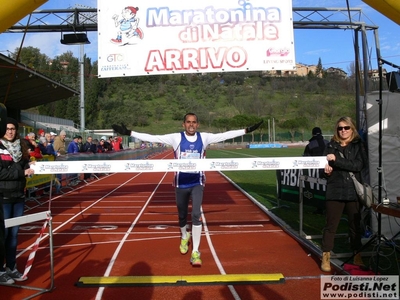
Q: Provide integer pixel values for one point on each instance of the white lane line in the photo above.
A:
(76, 215)
(303, 277)
(89, 244)
(114, 257)
(214, 254)
(242, 226)
(99, 231)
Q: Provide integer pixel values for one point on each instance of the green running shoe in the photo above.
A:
(184, 246)
(195, 260)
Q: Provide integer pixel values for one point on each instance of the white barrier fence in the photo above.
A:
(45, 215)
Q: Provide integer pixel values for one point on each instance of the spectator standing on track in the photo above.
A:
(94, 146)
(59, 143)
(88, 148)
(43, 145)
(46, 148)
(80, 144)
(107, 146)
(34, 153)
(87, 145)
(14, 168)
(49, 146)
(111, 142)
(73, 148)
(101, 147)
(52, 136)
(317, 144)
(117, 143)
(188, 144)
(34, 150)
(59, 148)
(345, 153)
(316, 147)
(41, 133)
(4, 278)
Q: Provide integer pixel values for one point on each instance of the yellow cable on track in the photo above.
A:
(181, 280)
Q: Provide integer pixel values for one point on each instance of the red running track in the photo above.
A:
(126, 224)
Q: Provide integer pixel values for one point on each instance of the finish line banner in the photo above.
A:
(179, 165)
(175, 37)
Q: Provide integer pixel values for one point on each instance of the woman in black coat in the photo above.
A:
(14, 168)
(345, 153)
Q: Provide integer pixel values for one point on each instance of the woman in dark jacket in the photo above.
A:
(14, 167)
(345, 153)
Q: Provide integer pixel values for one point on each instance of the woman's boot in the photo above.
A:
(326, 262)
(357, 260)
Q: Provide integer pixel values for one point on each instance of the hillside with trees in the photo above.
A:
(156, 104)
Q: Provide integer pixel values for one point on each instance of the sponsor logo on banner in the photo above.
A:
(183, 166)
(104, 167)
(224, 165)
(110, 68)
(115, 57)
(278, 52)
(54, 167)
(139, 166)
(273, 164)
(306, 164)
(359, 287)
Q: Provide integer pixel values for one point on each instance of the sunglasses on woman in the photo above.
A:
(340, 128)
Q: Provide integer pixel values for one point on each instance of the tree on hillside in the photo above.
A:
(223, 124)
(293, 125)
(65, 69)
(319, 69)
(242, 121)
(33, 58)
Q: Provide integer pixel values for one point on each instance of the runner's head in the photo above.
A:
(190, 123)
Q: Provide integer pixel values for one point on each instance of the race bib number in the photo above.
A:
(190, 155)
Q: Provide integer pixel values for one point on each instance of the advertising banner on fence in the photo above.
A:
(158, 37)
(288, 181)
(36, 180)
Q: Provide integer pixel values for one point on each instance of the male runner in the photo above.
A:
(188, 144)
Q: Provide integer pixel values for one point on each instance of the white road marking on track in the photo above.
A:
(242, 226)
(175, 236)
(114, 257)
(160, 227)
(76, 215)
(28, 228)
(102, 227)
(303, 277)
(214, 254)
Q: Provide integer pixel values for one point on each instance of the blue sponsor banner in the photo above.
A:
(262, 146)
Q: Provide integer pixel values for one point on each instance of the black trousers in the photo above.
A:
(2, 238)
(334, 211)
(183, 197)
